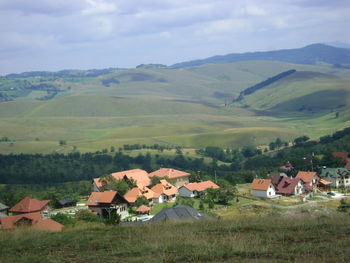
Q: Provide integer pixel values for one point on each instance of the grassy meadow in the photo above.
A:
(264, 239)
(189, 107)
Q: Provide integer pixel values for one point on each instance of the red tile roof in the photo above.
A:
(138, 175)
(143, 209)
(101, 197)
(163, 187)
(287, 185)
(10, 221)
(325, 182)
(29, 205)
(48, 225)
(261, 184)
(306, 176)
(201, 186)
(132, 195)
(170, 173)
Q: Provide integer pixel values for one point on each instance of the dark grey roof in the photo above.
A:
(67, 201)
(3, 207)
(180, 212)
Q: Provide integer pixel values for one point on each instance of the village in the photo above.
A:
(168, 194)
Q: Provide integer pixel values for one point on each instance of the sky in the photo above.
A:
(83, 34)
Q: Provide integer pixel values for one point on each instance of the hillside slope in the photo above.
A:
(302, 92)
(311, 54)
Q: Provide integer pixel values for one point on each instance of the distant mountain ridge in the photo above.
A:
(309, 55)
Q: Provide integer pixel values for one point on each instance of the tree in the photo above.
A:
(62, 142)
(113, 219)
(141, 200)
(121, 186)
(300, 140)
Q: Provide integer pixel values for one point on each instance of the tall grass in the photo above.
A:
(267, 239)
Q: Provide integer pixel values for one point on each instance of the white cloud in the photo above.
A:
(179, 29)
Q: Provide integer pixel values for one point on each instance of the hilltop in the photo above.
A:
(311, 54)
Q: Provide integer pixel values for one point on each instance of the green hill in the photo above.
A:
(311, 54)
(190, 107)
(301, 92)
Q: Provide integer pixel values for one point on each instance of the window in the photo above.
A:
(269, 193)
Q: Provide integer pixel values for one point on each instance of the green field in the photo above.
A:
(188, 107)
(251, 239)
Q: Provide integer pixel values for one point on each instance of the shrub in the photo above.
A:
(88, 216)
(64, 219)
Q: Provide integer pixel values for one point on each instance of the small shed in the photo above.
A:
(3, 208)
(143, 209)
(67, 202)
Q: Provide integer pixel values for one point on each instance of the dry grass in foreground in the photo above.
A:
(267, 239)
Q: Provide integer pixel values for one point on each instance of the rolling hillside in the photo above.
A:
(312, 54)
(190, 107)
(301, 92)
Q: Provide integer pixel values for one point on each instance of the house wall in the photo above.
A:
(181, 181)
(159, 200)
(269, 193)
(299, 188)
(183, 191)
(95, 188)
(338, 182)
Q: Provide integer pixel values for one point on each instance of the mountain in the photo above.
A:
(309, 55)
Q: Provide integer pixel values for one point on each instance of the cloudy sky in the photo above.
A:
(82, 34)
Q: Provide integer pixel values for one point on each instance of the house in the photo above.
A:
(263, 188)
(340, 177)
(195, 189)
(310, 179)
(276, 178)
(33, 220)
(291, 186)
(136, 175)
(138, 191)
(344, 156)
(180, 178)
(103, 203)
(180, 212)
(164, 191)
(30, 205)
(67, 202)
(3, 210)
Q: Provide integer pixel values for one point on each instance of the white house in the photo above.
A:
(263, 188)
(194, 189)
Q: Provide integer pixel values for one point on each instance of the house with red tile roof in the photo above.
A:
(195, 189)
(263, 188)
(180, 178)
(30, 205)
(33, 220)
(310, 179)
(136, 175)
(103, 203)
(164, 192)
(291, 186)
(138, 191)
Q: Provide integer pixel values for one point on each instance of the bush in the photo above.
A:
(88, 216)
(114, 218)
(64, 219)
